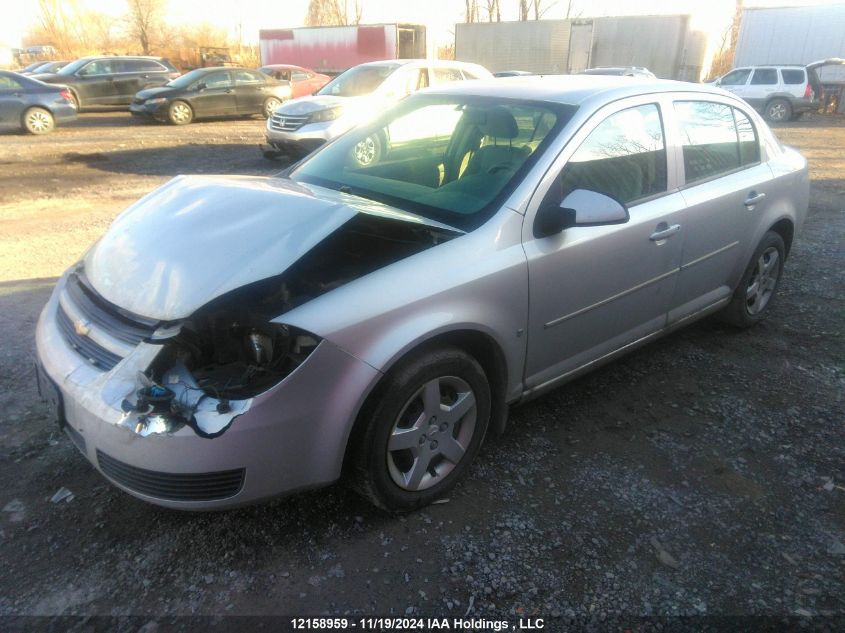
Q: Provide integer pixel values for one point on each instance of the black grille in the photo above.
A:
(173, 486)
(99, 312)
(93, 352)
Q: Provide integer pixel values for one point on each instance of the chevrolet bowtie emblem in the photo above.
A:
(80, 328)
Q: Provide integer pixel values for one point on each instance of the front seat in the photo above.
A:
(499, 127)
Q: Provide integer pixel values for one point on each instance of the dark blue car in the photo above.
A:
(32, 105)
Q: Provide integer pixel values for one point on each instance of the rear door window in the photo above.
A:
(793, 76)
(247, 77)
(624, 157)
(217, 80)
(710, 142)
(764, 77)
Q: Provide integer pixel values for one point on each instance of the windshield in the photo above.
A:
(72, 67)
(188, 78)
(358, 81)
(446, 158)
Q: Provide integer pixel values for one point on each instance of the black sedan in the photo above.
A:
(212, 92)
(32, 105)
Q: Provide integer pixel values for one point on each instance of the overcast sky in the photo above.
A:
(439, 16)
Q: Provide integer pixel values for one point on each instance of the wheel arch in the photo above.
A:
(786, 229)
(477, 344)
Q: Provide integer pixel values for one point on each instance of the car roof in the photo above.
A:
(93, 57)
(572, 89)
(284, 66)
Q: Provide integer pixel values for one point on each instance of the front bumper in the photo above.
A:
(156, 111)
(305, 139)
(289, 438)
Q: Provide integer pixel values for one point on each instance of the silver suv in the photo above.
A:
(233, 338)
(302, 125)
(781, 93)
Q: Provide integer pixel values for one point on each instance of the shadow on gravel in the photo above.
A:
(190, 158)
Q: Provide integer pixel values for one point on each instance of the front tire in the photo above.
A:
(755, 294)
(180, 113)
(38, 121)
(423, 430)
(778, 110)
(270, 106)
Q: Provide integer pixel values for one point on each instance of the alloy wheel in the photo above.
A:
(270, 107)
(777, 112)
(763, 281)
(432, 433)
(365, 151)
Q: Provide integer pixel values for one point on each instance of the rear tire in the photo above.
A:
(753, 298)
(38, 121)
(180, 113)
(423, 429)
(778, 110)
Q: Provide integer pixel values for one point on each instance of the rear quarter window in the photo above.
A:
(793, 76)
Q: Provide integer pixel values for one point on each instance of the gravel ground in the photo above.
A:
(701, 475)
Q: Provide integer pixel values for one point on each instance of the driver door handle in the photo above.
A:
(664, 233)
(753, 198)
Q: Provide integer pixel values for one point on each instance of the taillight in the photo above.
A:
(808, 92)
(65, 94)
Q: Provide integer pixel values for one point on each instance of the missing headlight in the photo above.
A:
(234, 356)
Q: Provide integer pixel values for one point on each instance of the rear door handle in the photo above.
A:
(753, 198)
(664, 233)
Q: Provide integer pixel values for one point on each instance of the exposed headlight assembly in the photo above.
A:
(233, 358)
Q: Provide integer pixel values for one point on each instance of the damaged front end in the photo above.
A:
(205, 369)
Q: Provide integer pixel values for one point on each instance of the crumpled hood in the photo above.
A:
(199, 237)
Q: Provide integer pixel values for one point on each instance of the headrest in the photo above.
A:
(498, 122)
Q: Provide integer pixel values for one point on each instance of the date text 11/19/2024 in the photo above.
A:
(401, 625)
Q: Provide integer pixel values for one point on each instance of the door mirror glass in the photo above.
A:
(581, 207)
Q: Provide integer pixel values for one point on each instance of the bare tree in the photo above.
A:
(333, 13)
(145, 19)
(493, 10)
(471, 11)
(540, 10)
(523, 10)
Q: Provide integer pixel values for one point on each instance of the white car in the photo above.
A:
(302, 125)
(781, 93)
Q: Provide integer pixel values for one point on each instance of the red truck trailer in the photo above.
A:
(333, 49)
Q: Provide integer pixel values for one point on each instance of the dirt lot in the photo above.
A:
(704, 474)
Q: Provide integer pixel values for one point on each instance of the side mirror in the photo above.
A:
(200, 86)
(581, 207)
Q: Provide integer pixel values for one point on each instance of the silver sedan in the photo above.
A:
(234, 338)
